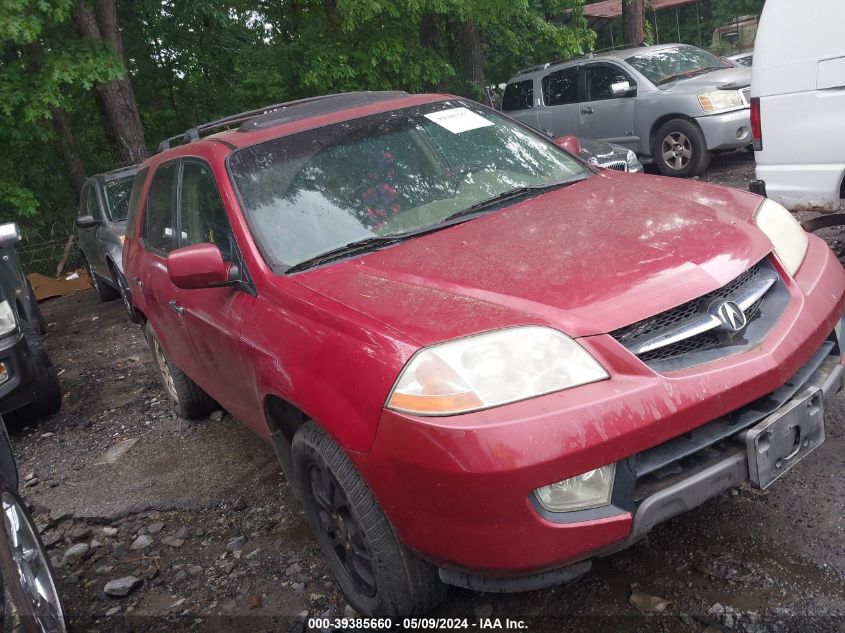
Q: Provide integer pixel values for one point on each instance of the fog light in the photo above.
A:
(742, 132)
(592, 489)
(4, 373)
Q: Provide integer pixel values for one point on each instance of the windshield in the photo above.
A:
(117, 196)
(675, 62)
(387, 174)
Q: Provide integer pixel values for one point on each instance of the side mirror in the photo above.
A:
(570, 144)
(197, 266)
(622, 89)
(10, 233)
(86, 222)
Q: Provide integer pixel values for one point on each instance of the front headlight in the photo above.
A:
(790, 241)
(717, 100)
(7, 318)
(593, 489)
(491, 369)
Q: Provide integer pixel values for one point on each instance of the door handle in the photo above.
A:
(587, 110)
(175, 307)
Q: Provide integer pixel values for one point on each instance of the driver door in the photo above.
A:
(606, 113)
(212, 317)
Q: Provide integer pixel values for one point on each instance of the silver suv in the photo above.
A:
(672, 103)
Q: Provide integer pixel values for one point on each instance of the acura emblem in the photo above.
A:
(731, 315)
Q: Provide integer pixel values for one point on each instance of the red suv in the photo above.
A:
(480, 361)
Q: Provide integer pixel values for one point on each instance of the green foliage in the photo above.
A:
(45, 65)
(190, 62)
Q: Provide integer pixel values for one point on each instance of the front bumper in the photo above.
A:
(17, 390)
(459, 489)
(800, 186)
(731, 130)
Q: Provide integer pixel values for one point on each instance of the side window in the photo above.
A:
(92, 207)
(519, 96)
(600, 79)
(561, 87)
(134, 200)
(157, 232)
(202, 214)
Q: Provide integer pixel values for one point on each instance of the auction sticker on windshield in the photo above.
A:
(458, 120)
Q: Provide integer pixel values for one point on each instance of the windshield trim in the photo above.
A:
(281, 268)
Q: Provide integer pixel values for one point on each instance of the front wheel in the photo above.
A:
(680, 149)
(379, 576)
(48, 390)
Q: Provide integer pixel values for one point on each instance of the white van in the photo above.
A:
(798, 103)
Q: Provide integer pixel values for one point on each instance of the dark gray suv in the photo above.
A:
(29, 384)
(101, 225)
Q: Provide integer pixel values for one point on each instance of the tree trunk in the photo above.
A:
(472, 60)
(117, 95)
(75, 167)
(633, 21)
(427, 30)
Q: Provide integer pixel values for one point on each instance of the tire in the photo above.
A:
(679, 149)
(48, 390)
(125, 294)
(189, 400)
(104, 291)
(36, 308)
(379, 575)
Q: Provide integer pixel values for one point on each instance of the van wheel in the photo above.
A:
(48, 390)
(379, 576)
(679, 149)
(189, 400)
(104, 291)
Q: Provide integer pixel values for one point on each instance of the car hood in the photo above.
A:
(598, 152)
(725, 78)
(585, 259)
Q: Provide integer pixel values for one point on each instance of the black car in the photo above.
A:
(31, 601)
(29, 384)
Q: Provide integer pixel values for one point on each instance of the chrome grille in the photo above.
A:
(679, 333)
(617, 165)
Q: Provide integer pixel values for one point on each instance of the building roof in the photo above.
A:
(612, 9)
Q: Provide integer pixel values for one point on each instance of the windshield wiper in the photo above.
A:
(689, 73)
(380, 241)
(508, 196)
(352, 248)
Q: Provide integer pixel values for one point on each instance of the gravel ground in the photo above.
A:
(200, 515)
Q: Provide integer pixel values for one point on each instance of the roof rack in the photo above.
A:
(588, 55)
(246, 120)
(194, 133)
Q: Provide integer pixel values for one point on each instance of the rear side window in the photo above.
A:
(203, 216)
(561, 87)
(134, 200)
(519, 95)
(158, 233)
